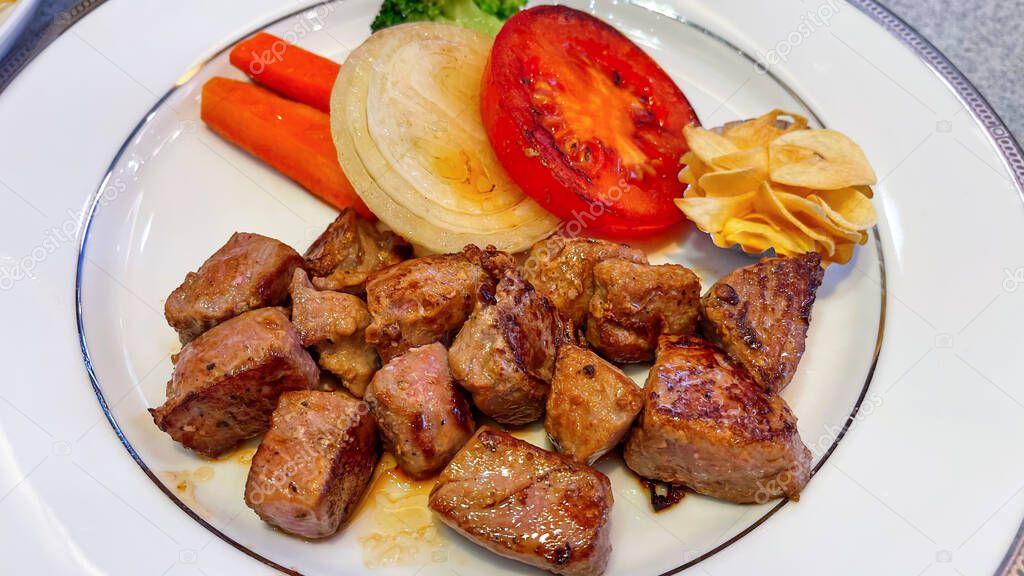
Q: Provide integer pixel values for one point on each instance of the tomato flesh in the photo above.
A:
(585, 122)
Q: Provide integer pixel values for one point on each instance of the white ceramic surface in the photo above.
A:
(925, 482)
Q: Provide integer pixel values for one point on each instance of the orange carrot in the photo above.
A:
(293, 138)
(287, 69)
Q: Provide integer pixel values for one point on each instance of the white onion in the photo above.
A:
(405, 116)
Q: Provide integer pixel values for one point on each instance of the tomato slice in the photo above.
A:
(585, 122)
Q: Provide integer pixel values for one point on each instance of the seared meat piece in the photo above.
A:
(422, 301)
(706, 424)
(505, 354)
(527, 504)
(634, 303)
(249, 272)
(353, 362)
(323, 316)
(314, 463)
(591, 404)
(423, 416)
(760, 314)
(562, 269)
(226, 381)
(333, 324)
(349, 250)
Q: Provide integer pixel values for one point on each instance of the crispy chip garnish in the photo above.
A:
(818, 159)
(707, 145)
(865, 190)
(760, 131)
(777, 207)
(730, 182)
(772, 183)
(755, 236)
(714, 213)
(756, 158)
(847, 207)
(813, 215)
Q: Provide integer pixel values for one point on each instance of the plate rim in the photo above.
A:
(1007, 146)
(94, 202)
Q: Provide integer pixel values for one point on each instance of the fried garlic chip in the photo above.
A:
(818, 159)
(774, 183)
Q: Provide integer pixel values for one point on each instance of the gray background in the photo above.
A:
(982, 37)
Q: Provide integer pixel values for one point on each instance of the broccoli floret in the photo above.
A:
(394, 12)
(503, 9)
(484, 15)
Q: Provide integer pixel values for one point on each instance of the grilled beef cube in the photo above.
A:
(422, 301)
(562, 269)
(333, 324)
(249, 272)
(706, 424)
(314, 463)
(591, 405)
(527, 504)
(349, 250)
(634, 303)
(226, 382)
(760, 314)
(423, 416)
(505, 354)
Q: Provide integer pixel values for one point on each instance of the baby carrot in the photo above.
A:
(287, 69)
(292, 137)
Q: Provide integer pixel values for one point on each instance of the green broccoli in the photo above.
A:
(484, 15)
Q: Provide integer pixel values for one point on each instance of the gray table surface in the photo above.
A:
(981, 37)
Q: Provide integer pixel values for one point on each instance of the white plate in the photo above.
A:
(916, 493)
(174, 174)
